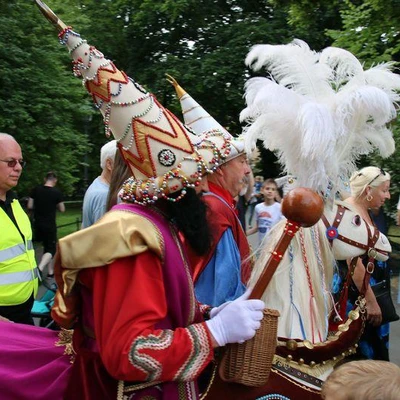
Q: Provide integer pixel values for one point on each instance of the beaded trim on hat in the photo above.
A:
(147, 192)
(189, 156)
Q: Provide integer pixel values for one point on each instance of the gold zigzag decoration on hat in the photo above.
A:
(144, 131)
(101, 87)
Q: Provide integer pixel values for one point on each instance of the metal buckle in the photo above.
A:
(372, 253)
(370, 267)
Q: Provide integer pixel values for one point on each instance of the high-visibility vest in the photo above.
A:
(18, 271)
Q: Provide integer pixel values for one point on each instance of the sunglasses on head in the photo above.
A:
(13, 163)
(381, 172)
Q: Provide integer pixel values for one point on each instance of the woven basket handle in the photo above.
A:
(303, 208)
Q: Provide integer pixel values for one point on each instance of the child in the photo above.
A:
(363, 380)
(268, 213)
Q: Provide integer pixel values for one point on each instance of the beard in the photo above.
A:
(189, 215)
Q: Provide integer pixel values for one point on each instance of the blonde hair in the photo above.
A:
(363, 380)
(368, 176)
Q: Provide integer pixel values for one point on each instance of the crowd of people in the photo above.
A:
(156, 281)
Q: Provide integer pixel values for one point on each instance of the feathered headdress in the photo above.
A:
(318, 111)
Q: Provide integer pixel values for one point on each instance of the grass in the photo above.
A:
(69, 221)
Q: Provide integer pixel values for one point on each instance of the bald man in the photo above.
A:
(18, 272)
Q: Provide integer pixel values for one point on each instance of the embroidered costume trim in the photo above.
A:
(199, 355)
(144, 362)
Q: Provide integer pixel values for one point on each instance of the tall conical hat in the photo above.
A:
(162, 154)
(200, 121)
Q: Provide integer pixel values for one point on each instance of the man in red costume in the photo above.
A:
(221, 275)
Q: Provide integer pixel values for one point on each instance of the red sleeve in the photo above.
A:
(129, 299)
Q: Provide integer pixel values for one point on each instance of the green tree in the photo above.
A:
(201, 43)
(371, 32)
(38, 101)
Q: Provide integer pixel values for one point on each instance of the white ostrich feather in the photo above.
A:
(294, 66)
(261, 93)
(381, 76)
(317, 129)
(343, 64)
(319, 112)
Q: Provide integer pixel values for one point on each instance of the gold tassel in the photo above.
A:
(65, 339)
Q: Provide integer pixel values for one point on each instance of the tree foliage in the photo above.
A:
(38, 102)
(201, 43)
(371, 31)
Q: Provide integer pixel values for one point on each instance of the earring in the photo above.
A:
(369, 197)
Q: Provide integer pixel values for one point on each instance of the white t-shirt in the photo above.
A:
(267, 217)
(398, 204)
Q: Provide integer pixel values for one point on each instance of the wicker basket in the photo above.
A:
(250, 363)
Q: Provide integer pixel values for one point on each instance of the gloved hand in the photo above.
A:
(214, 311)
(237, 321)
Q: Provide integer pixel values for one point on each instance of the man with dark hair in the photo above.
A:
(45, 200)
(18, 272)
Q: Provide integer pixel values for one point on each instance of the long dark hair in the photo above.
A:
(119, 174)
(189, 215)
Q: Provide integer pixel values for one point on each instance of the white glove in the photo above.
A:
(214, 311)
(237, 321)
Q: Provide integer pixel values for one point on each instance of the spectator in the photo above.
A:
(398, 213)
(268, 213)
(44, 201)
(369, 190)
(95, 199)
(243, 199)
(18, 271)
(256, 197)
(363, 380)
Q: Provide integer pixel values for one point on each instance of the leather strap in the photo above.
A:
(295, 373)
(332, 232)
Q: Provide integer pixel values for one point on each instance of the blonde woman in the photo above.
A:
(369, 191)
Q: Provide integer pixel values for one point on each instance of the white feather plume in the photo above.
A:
(294, 66)
(319, 112)
(381, 76)
(343, 64)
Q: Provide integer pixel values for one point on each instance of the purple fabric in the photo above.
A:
(31, 366)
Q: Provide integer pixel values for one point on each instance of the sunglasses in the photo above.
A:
(13, 163)
(381, 172)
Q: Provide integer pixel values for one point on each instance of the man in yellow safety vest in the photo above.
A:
(18, 272)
